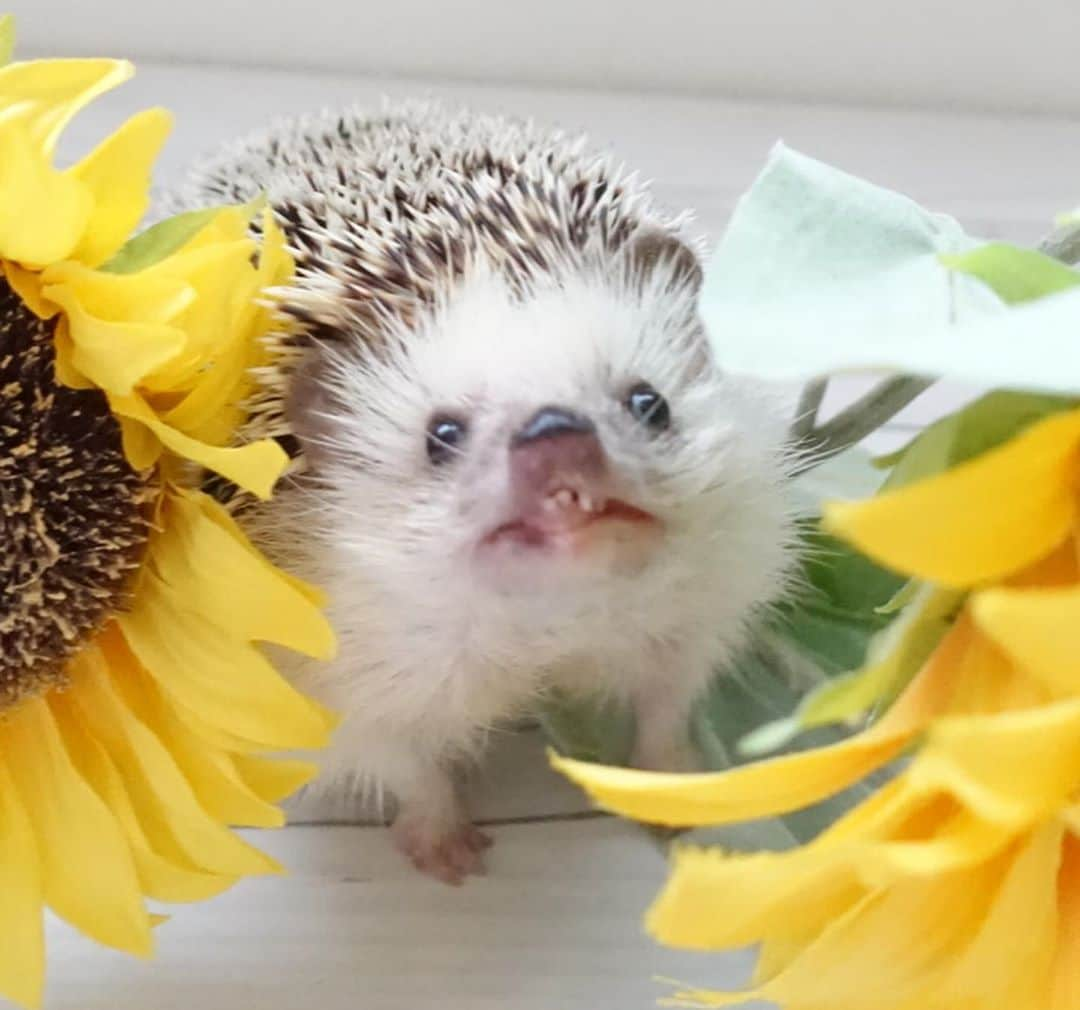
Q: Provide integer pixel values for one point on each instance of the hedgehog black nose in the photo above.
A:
(552, 422)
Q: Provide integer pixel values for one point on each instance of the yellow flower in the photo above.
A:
(137, 709)
(956, 885)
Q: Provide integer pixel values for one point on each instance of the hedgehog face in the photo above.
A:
(575, 438)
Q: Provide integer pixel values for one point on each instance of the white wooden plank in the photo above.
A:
(555, 926)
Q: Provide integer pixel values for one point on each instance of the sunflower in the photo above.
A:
(957, 884)
(137, 708)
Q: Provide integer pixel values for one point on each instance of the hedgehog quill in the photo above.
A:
(518, 466)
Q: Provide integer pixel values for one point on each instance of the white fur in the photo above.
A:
(434, 651)
(432, 656)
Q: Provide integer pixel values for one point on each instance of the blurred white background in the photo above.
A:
(969, 106)
(1003, 55)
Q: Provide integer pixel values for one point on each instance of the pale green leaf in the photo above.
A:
(980, 426)
(166, 237)
(904, 595)
(1015, 275)
(1068, 219)
(160, 241)
(894, 656)
(593, 729)
(7, 38)
(930, 452)
(821, 272)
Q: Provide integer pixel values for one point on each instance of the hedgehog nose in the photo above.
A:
(556, 448)
(552, 422)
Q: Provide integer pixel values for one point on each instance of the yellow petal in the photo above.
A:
(1065, 983)
(226, 680)
(956, 840)
(27, 285)
(237, 587)
(158, 787)
(22, 952)
(1039, 629)
(321, 647)
(117, 174)
(713, 901)
(1004, 964)
(762, 789)
(255, 467)
(46, 94)
(88, 873)
(1016, 768)
(142, 448)
(164, 876)
(220, 276)
(904, 938)
(120, 326)
(980, 521)
(211, 411)
(43, 212)
(212, 773)
(767, 788)
(273, 780)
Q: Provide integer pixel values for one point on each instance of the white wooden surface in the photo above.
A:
(556, 924)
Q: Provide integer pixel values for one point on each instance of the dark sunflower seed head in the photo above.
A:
(73, 521)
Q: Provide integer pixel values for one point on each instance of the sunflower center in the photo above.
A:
(72, 512)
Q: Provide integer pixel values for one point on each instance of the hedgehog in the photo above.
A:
(519, 468)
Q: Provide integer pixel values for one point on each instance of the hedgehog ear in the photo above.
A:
(650, 250)
(309, 408)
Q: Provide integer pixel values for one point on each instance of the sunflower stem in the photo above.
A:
(1063, 244)
(858, 420)
(814, 443)
(806, 412)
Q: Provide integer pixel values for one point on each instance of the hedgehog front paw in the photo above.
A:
(447, 854)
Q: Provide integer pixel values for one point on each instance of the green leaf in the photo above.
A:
(1016, 275)
(929, 452)
(161, 240)
(821, 272)
(7, 38)
(894, 656)
(589, 729)
(982, 425)
(905, 595)
(831, 626)
(833, 618)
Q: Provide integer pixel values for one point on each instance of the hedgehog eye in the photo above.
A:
(649, 407)
(444, 438)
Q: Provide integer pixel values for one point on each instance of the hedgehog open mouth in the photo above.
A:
(562, 514)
